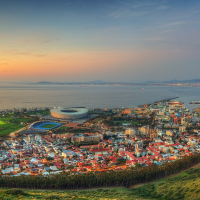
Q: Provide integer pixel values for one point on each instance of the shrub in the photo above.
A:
(15, 192)
(52, 197)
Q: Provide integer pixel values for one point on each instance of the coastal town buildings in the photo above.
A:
(110, 140)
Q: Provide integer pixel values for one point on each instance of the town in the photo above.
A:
(106, 139)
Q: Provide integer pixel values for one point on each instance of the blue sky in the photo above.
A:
(81, 40)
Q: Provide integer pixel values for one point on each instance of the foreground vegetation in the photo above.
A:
(184, 186)
(123, 178)
(116, 193)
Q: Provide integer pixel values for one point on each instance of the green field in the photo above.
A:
(19, 120)
(2, 122)
(8, 124)
(48, 126)
(64, 127)
(10, 115)
(6, 128)
(6, 119)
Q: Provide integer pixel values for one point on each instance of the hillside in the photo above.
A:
(185, 185)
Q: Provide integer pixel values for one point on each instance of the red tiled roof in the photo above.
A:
(80, 164)
(148, 163)
(131, 161)
(129, 154)
(89, 167)
(58, 163)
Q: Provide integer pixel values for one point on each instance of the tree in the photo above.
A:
(121, 161)
(70, 167)
(49, 158)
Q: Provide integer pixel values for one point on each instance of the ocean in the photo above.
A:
(92, 96)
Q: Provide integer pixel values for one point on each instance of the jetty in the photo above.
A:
(164, 100)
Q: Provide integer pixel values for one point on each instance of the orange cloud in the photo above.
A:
(79, 64)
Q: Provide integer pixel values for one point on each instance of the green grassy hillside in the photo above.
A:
(186, 186)
(183, 186)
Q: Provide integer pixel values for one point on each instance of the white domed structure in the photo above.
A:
(69, 113)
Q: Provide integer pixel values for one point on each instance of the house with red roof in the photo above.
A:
(89, 168)
(131, 162)
(149, 163)
(104, 166)
(128, 155)
(80, 164)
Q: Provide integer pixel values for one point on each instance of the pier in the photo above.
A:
(164, 100)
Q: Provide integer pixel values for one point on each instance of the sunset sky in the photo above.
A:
(109, 40)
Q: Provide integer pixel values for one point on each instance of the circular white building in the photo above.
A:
(69, 113)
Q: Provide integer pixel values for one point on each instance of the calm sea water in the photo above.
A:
(25, 96)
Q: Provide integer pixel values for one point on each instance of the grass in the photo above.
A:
(183, 186)
(49, 126)
(6, 119)
(10, 123)
(116, 193)
(20, 120)
(2, 122)
(64, 127)
(7, 128)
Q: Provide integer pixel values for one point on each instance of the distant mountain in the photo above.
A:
(99, 82)
(147, 82)
(89, 82)
(44, 82)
